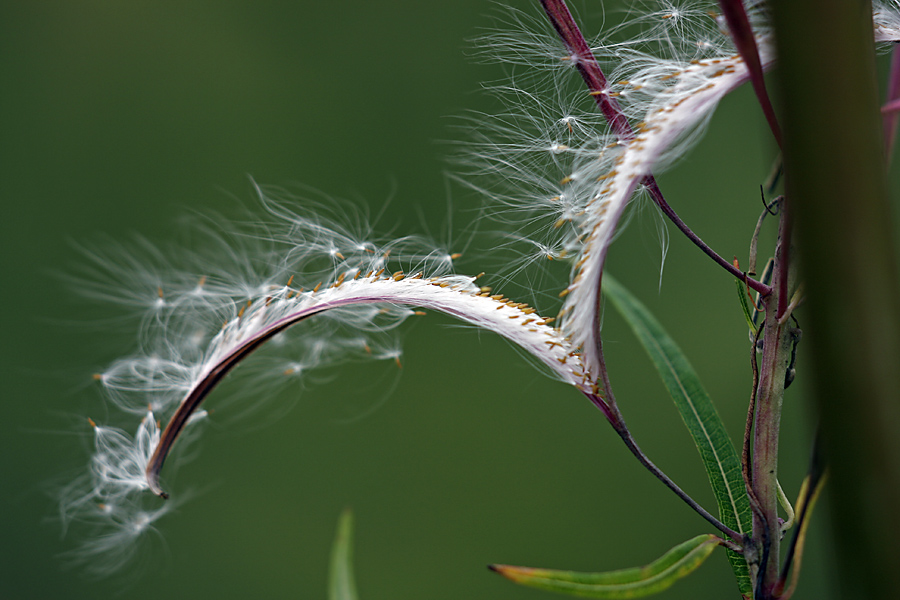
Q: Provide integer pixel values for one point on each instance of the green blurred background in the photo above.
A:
(120, 118)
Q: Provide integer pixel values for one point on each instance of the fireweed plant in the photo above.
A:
(588, 124)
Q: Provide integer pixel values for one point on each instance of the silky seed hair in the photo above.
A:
(308, 284)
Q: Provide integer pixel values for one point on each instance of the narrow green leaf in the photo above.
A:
(699, 414)
(677, 563)
(340, 578)
(745, 304)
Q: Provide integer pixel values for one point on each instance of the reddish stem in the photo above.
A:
(587, 65)
(745, 42)
(892, 104)
(610, 409)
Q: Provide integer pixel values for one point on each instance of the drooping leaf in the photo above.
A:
(637, 582)
(699, 414)
(341, 585)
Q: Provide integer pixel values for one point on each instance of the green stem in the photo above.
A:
(834, 166)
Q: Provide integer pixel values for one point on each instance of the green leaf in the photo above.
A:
(340, 578)
(699, 414)
(677, 563)
(745, 305)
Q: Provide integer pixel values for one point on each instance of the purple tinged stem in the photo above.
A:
(587, 65)
(751, 413)
(601, 404)
(745, 42)
(889, 108)
(777, 341)
(626, 436)
(610, 409)
(892, 104)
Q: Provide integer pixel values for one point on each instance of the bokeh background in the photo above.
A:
(120, 118)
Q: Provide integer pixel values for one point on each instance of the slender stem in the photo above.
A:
(889, 109)
(657, 196)
(601, 404)
(614, 415)
(610, 409)
(734, 547)
(754, 560)
(626, 436)
(593, 76)
(587, 65)
(893, 100)
(745, 42)
(751, 411)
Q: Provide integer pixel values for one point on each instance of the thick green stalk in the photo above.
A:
(834, 165)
